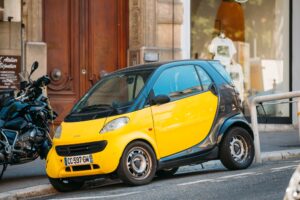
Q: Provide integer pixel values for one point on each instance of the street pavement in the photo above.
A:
(33, 174)
(260, 182)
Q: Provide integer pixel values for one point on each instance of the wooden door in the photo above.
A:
(85, 38)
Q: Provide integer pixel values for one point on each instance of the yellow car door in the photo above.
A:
(187, 119)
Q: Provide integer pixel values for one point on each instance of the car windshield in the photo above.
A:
(113, 92)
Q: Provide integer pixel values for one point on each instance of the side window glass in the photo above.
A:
(139, 85)
(177, 81)
(205, 79)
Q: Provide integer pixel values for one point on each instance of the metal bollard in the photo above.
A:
(260, 99)
(255, 132)
(298, 113)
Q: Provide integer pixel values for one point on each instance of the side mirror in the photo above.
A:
(213, 89)
(160, 99)
(34, 67)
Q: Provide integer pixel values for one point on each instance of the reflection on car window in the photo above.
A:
(221, 69)
(177, 81)
(205, 79)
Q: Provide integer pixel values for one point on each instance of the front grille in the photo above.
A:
(82, 168)
(81, 149)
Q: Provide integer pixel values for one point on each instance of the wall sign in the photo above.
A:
(9, 72)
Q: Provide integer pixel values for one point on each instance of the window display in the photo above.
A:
(222, 49)
(251, 40)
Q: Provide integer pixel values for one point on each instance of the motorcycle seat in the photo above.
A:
(2, 123)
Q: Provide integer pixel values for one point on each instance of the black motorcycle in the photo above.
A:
(24, 123)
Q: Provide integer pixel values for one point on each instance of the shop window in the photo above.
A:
(258, 30)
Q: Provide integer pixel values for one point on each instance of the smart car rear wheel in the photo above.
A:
(65, 185)
(237, 149)
(138, 164)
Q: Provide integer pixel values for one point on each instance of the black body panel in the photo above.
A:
(16, 124)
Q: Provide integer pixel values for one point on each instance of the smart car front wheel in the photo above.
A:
(138, 164)
(65, 185)
(237, 149)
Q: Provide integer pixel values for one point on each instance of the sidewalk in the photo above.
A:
(33, 174)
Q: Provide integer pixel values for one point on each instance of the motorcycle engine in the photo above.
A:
(27, 140)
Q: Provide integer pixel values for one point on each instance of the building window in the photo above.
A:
(259, 31)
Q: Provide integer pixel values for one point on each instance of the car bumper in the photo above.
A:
(104, 162)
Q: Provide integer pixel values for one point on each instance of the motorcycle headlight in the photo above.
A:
(57, 132)
(115, 124)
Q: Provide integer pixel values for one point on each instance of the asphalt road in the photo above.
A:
(33, 173)
(26, 175)
(267, 181)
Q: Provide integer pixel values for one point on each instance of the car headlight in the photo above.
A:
(115, 124)
(57, 132)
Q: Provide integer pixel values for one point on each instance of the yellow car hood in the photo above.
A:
(80, 132)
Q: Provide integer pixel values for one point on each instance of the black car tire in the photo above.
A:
(167, 172)
(65, 185)
(138, 164)
(237, 149)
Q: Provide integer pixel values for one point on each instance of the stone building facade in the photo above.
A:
(155, 30)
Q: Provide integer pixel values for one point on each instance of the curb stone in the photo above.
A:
(29, 192)
(265, 156)
(47, 189)
(280, 155)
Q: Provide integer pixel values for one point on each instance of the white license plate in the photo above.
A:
(78, 160)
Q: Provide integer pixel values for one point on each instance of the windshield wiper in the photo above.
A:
(97, 106)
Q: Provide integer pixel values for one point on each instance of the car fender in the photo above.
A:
(121, 141)
(234, 121)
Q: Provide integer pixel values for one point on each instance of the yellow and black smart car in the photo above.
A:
(151, 119)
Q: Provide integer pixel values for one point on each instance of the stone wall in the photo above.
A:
(34, 47)
(154, 27)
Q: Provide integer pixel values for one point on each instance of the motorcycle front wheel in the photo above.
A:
(2, 169)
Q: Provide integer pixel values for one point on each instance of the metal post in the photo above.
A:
(255, 132)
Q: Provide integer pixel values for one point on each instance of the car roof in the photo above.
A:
(156, 65)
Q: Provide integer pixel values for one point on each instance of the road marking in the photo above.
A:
(101, 197)
(238, 175)
(220, 179)
(194, 182)
(285, 167)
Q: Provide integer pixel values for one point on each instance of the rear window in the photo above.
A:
(221, 69)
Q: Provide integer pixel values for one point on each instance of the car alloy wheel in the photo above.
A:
(138, 164)
(237, 149)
